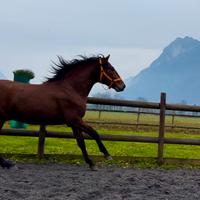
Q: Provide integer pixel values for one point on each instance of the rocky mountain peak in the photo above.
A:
(176, 71)
(180, 46)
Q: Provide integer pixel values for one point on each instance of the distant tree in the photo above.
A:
(105, 95)
(117, 96)
(141, 99)
(195, 113)
(183, 102)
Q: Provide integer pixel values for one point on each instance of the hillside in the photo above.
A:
(2, 76)
(176, 71)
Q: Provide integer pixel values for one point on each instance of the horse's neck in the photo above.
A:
(82, 79)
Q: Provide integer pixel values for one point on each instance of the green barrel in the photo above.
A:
(23, 76)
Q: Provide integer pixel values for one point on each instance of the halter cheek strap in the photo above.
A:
(103, 73)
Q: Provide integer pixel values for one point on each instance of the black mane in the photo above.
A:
(64, 66)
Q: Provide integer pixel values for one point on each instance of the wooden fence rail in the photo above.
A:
(141, 105)
(138, 122)
(161, 140)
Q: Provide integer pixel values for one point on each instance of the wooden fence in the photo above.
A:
(138, 122)
(161, 140)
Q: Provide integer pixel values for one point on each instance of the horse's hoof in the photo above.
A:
(93, 168)
(108, 157)
(7, 164)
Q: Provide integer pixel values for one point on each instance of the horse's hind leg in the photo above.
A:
(92, 133)
(81, 143)
(4, 163)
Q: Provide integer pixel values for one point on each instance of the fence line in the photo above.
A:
(105, 137)
(142, 124)
(161, 140)
(138, 118)
(140, 104)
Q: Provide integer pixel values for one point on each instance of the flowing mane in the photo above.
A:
(63, 67)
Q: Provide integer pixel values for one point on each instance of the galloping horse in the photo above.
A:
(59, 100)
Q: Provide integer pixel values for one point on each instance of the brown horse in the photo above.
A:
(60, 100)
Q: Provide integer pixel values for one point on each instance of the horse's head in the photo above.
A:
(109, 76)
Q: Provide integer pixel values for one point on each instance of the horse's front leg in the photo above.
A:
(4, 163)
(92, 133)
(81, 143)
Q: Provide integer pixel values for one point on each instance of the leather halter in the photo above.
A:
(103, 73)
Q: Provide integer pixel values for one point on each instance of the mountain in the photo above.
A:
(2, 76)
(176, 71)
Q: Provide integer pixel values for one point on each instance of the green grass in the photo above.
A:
(59, 150)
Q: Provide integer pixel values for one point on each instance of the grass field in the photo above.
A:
(28, 146)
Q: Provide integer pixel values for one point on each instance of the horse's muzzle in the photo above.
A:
(119, 87)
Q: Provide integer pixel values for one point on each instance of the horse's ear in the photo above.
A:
(107, 57)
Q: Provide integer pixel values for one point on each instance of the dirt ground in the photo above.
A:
(61, 181)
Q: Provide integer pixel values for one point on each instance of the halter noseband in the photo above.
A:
(103, 73)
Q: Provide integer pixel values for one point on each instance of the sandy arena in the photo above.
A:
(61, 181)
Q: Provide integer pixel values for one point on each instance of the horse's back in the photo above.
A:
(5, 84)
(39, 103)
(9, 90)
(5, 89)
(15, 95)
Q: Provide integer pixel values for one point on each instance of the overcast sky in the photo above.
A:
(134, 32)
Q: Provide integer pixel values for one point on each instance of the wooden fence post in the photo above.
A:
(41, 141)
(99, 114)
(161, 128)
(173, 119)
(138, 118)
